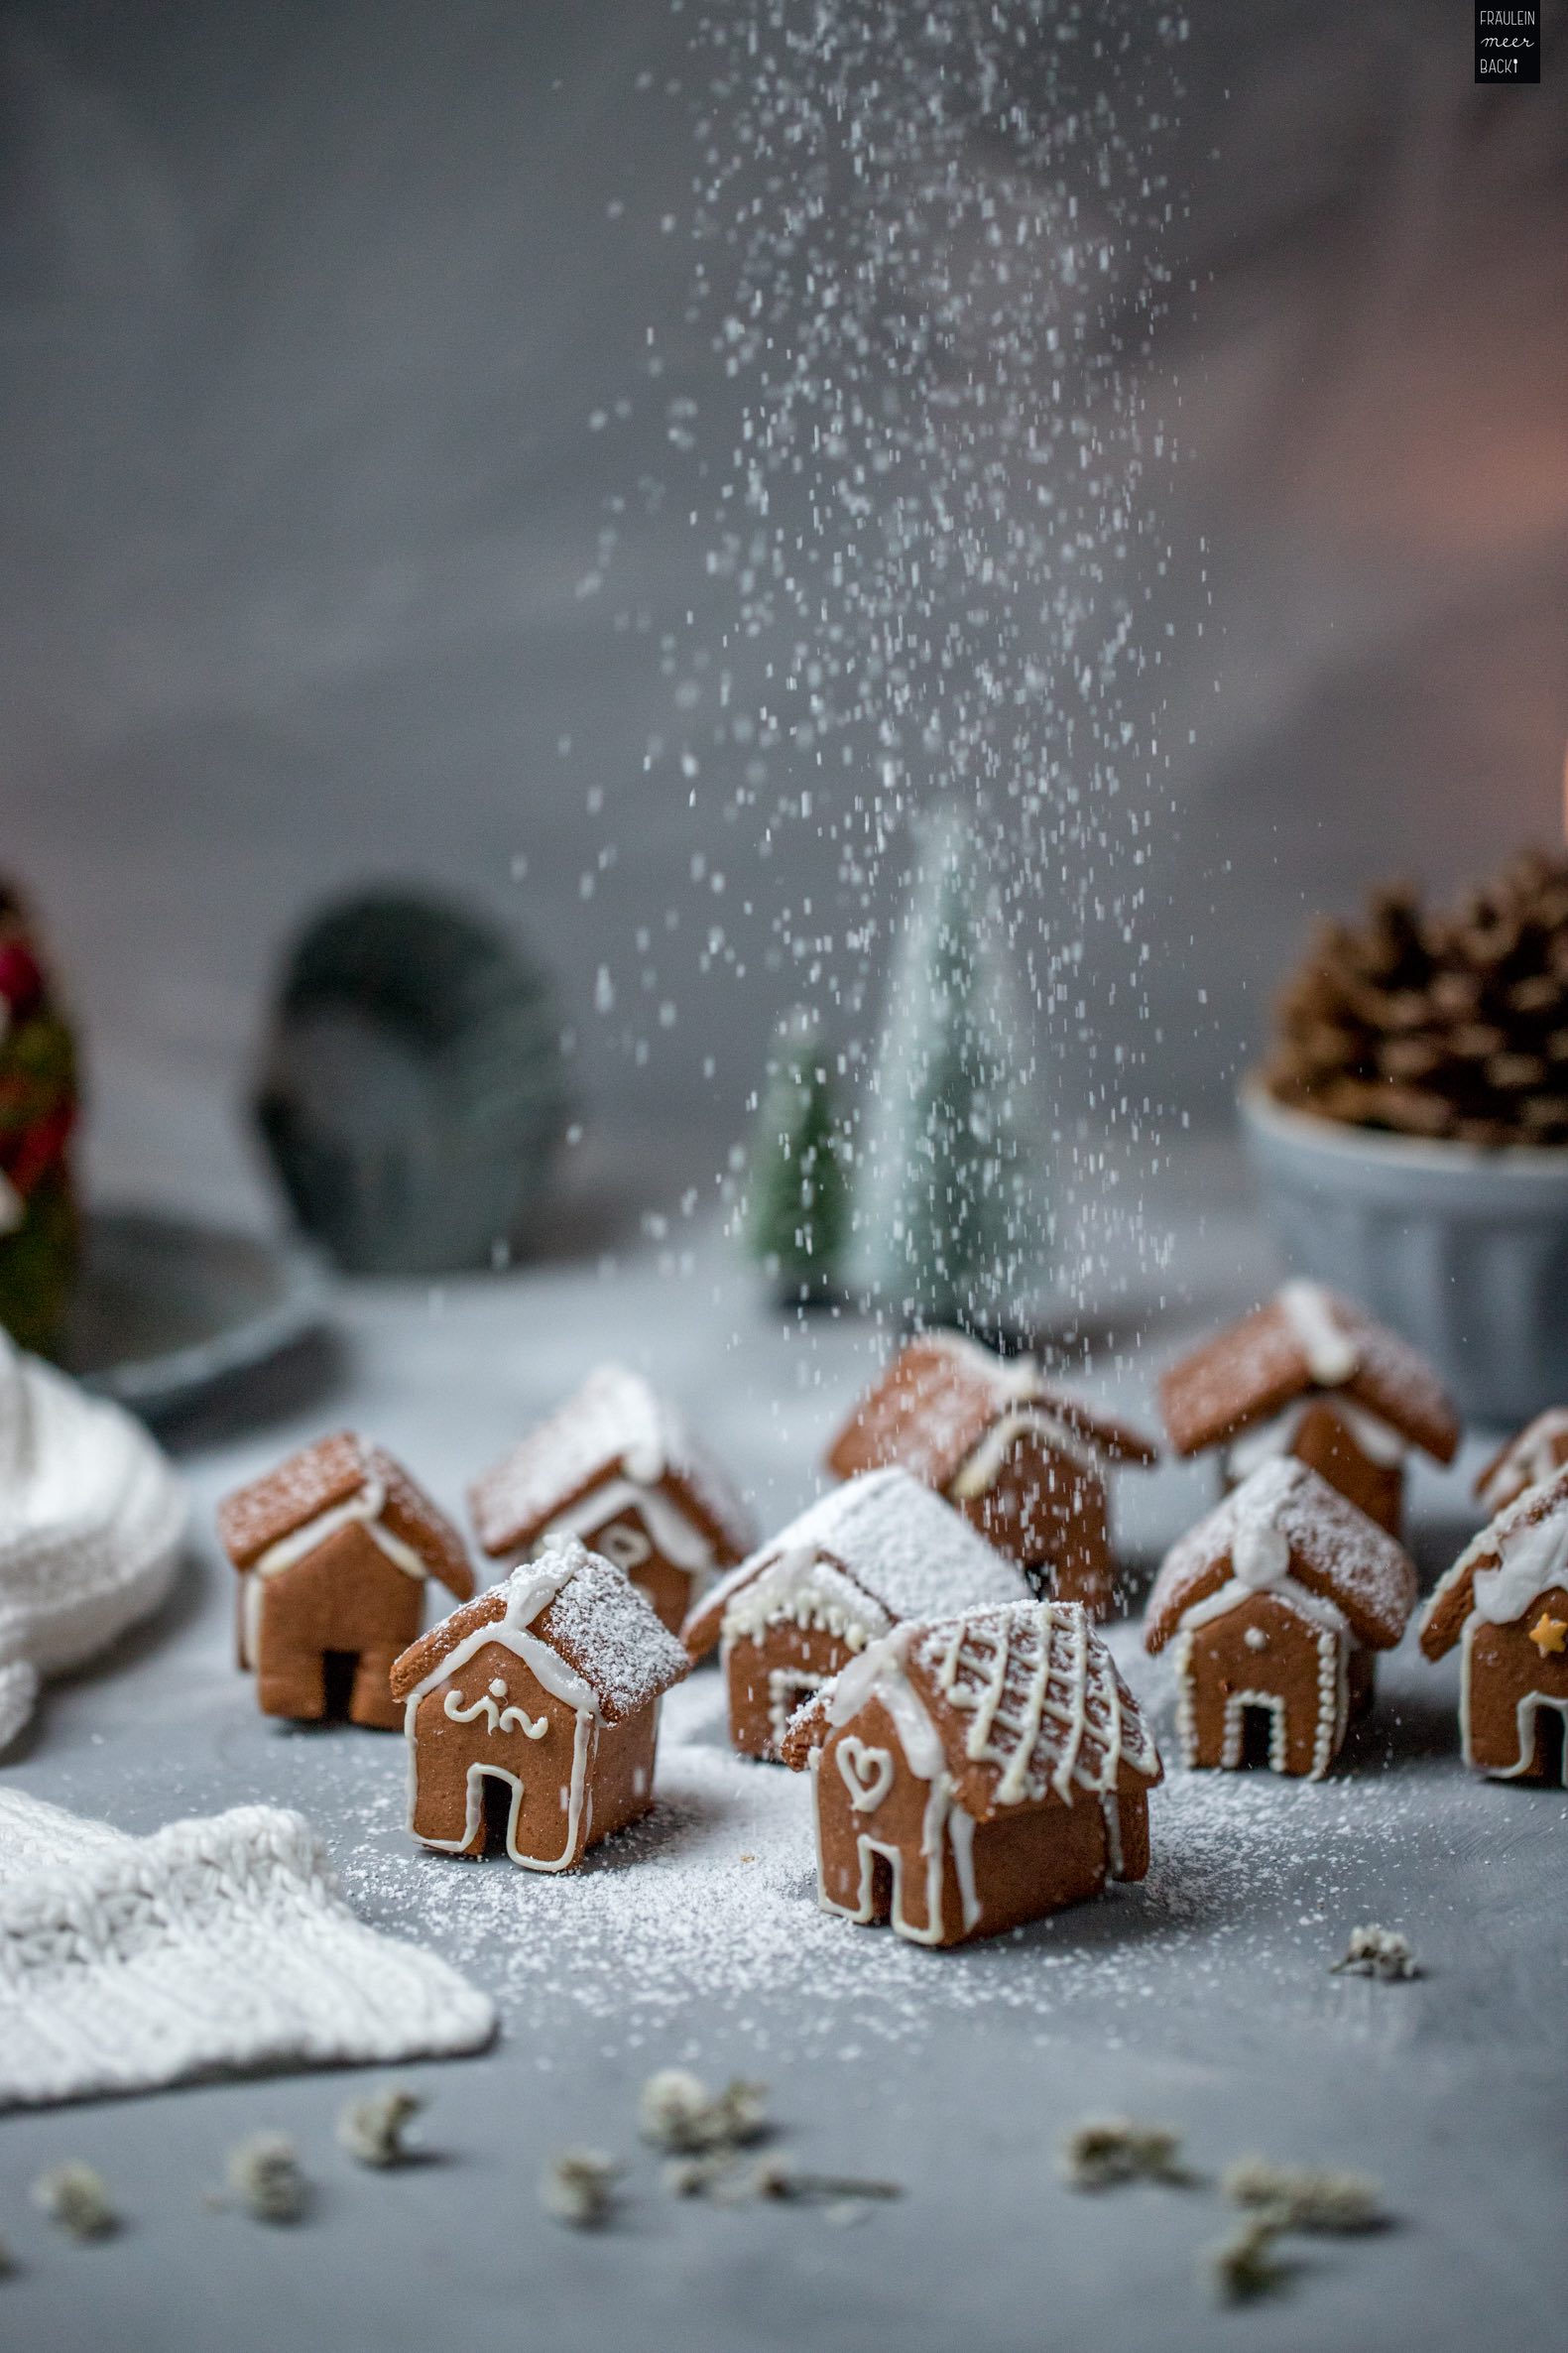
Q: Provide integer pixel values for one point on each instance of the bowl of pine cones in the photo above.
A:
(1410, 1128)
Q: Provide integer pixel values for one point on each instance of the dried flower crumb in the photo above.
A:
(263, 2175)
(1377, 1952)
(76, 2197)
(1103, 2153)
(578, 2187)
(1305, 2197)
(677, 2112)
(1247, 2265)
(371, 2130)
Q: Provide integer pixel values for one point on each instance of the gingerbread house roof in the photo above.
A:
(586, 1610)
(897, 1550)
(325, 1475)
(615, 1425)
(1334, 1551)
(1024, 1702)
(1517, 1556)
(942, 1395)
(1538, 1450)
(1304, 1339)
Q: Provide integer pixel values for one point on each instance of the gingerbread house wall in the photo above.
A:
(885, 1844)
(1509, 1689)
(453, 1759)
(767, 1675)
(1263, 1653)
(344, 1597)
(1050, 1512)
(1326, 1445)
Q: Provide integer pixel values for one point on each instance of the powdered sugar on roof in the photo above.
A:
(910, 1551)
(1334, 1546)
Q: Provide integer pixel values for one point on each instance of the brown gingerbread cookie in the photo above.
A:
(879, 1550)
(972, 1773)
(333, 1550)
(617, 1466)
(1025, 1463)
(1506, 1601)
(1311, 1375)
(1276, 1602)
(532, 1712)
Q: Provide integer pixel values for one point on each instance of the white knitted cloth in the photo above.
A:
(90, 1521)
(216, 1946)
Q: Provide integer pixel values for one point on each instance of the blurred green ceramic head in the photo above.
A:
(413, 1092)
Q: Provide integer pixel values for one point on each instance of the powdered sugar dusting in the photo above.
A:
(704, 1915)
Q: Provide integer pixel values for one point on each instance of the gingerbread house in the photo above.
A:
(863, 1558)
(1310, 1376)
(532, 1712)
(1505, 1602)
(970, 1773)
(333, 1551)
(617, 1466)
(1023, 1460)
(1539, 1451)
(1275, 1604)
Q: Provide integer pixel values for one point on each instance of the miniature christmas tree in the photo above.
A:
(952, 1223)
(38, 1110)
(799, 1197)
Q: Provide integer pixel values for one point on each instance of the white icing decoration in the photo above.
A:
(867, 1773)
(499, 1720)
(1331, 1354)
(363, 1510)
(677, 1538)
(1531, 1559)
(980, 1473)
(1255, 1639)
(961, 1836)
(803, 1589)
(1260, 1555)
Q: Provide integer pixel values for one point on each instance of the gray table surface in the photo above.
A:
(1202, 1999)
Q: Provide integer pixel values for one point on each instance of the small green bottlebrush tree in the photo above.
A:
(797, 1193)
(952, 1216)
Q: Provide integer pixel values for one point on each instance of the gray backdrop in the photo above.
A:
(307, 315)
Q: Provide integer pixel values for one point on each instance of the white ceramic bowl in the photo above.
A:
(1464, 1252)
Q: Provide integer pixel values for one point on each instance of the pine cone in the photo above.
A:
(37, 1111)
(1437, 1024)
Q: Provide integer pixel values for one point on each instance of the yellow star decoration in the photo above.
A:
(1550, 1634)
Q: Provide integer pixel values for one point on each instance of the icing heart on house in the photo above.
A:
(866, 1771)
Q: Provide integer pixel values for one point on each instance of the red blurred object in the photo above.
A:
(21, 982)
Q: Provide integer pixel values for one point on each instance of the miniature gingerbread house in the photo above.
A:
(1023, 1461)
(1506, 1601)
(864, 1558)
(1539, 1453)
(532, 1712)
(1311, 1376)
(617, 1466)
(333, 1550)
(1276, 1603)
(970, 1773)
